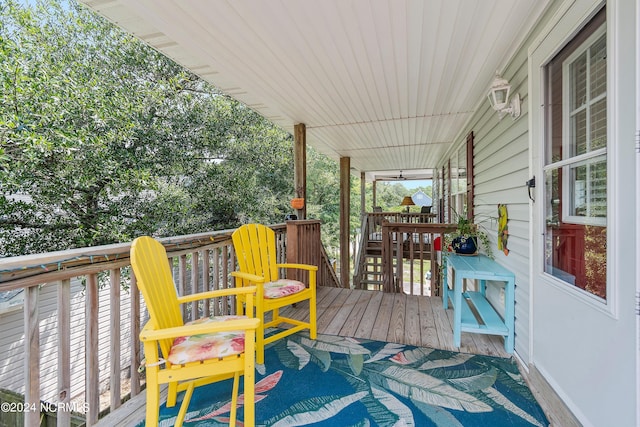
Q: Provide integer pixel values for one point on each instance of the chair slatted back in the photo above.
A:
(151, 267)
(255, 246)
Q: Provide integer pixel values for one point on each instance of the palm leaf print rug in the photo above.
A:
(337, 381)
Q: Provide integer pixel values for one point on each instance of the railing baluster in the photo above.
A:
(215, 252)
(421, 250)
(114, 351)
(64, 351)
(195, 272)
(32, 357)
(225, 278)
(92, 390)
(182, 283)
(135, 333)
(205, 254)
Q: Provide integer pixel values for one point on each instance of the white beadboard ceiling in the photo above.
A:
(388, 83)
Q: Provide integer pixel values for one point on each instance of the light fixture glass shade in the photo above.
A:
(499, 93)
(407, 201)
(499, 98)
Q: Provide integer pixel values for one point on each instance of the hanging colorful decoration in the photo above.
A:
(297, 203)
(503, 228)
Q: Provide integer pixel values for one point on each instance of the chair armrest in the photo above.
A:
(217, 293)
(299, 266)
(248, 276)
(149, 334)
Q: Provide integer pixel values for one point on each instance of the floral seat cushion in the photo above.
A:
(196, 348)
(282, 287)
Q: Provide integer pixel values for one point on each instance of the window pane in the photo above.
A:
(598, 67)
(574, 253)
(579, 185)
(578, 133)
(598, 189)
(588, 189)
(599, 124)
(552, 182)
(578, 73)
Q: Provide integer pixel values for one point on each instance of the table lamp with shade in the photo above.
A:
(407, 201)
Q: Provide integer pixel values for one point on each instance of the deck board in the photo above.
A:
(407, 319)
(352, 323)
(383, 318)
(329, 313)
(427, 323)
(343, 315)
(365, 326)
(397, 321)
(413, 331)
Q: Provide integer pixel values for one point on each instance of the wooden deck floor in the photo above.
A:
(406, 319)
(400, 318)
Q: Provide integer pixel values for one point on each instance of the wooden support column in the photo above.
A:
(345, 231)
(363, 201)
(300, 166)
(374, 202)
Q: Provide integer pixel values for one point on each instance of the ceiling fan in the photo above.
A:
(392, 177)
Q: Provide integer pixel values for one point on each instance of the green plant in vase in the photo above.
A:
(465, 239)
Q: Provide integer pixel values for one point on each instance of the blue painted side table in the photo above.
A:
(481, 268)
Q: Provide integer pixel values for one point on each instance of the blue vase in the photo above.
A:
(465, 245)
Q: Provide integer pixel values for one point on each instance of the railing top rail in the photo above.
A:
(17, 272)
(417, 227)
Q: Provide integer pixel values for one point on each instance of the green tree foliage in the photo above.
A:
(102, 139)
(323, 196)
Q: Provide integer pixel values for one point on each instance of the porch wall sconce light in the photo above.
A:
(407, 201)
(499, 98)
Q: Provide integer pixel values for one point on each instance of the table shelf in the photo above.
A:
(490, 322)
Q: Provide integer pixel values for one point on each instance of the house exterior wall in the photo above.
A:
(588, 353)
(586, 349)
(12, 341)
(501, 168)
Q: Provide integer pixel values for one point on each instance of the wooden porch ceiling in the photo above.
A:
(388, 83)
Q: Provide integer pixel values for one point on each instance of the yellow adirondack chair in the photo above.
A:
(255, 248)
(194, 353)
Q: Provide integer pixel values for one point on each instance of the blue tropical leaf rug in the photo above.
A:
(336, 381)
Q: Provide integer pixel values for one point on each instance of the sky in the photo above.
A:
(410, 185)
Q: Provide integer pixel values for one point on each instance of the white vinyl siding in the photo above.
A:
(500, 171)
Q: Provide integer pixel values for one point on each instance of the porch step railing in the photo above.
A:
(82, 315)
(396, 253)
(410, 261)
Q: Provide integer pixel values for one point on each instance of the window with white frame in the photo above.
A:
(576, 161)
